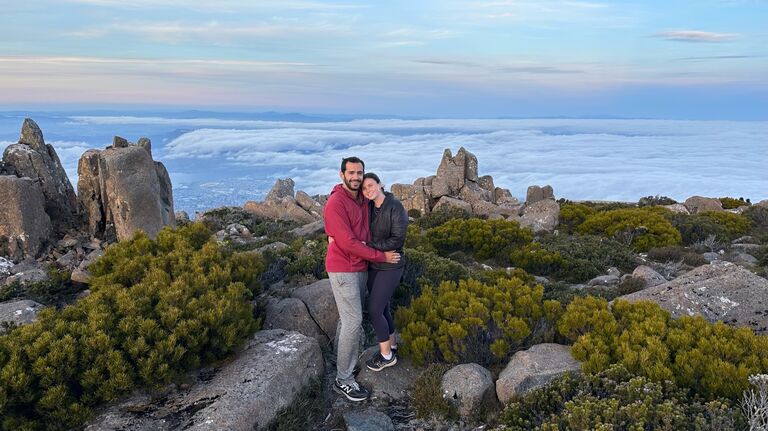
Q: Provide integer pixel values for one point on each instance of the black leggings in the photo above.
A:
(381, 286)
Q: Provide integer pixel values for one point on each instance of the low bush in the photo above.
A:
(485, 239)
(535, 259)
(724, 226)
(758, 215)
(734, 225)
(572, 215)
(733, 203)
(640, 228)
(587, 256)
(427, 397)
(440, 217)
(652, 201)
(713, 360)
(422, 267)
(615, 399)
(470, 321)
(676, 253)
(157, 309)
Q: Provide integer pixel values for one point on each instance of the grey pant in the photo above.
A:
(348, 291)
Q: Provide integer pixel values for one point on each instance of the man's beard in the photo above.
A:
(348, 183)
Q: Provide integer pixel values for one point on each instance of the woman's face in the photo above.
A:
(371, 189)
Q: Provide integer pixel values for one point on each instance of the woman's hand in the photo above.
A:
(392, 256)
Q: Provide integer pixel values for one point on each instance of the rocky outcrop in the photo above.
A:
(648, 276)
(19, 312)
(469, 387)
(122, 190)
(717, 291)
(245, 394)
(392, 385)
(281, 204)
(541, 216)
(699, 204)
(34, 159)
(536, 194)
(292, 314)
(457, 185)
(533, 368)
(367, 420)
(25, 227)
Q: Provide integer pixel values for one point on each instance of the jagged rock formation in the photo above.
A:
(717, 291)
(541, 212)
(121, 190)
(25, 227)
(281, 204)
(33, 158)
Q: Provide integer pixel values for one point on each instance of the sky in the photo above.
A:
(702, 59)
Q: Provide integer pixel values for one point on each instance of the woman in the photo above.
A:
(389, 224)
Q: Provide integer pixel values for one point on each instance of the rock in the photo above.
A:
(285, 209)
(677, 208)
(718, 291)
(181, 217)
(281, 189)
(648, 276)
(35, 159)
(487, 209)
(613, 271)
(541, 280)
(123, 190)
(30, 276)
(25, 227)
(413, 197)
(543, 216)
(308, 204)
(367, 420)
(67, 260)
(747, 239)
(119, 142)
(710, 256)
(19, 312)
(450, 174)
(744, 259)
(747, 247)
(534, 368)
(699, 204)
(90, 258)
(502, 196)
(292, 314)
(274, 246)
(146, 144)
(604, 280)
(309, 228)
(486, 182)
(469, 387)
(5, 266)
(448, 202)
(763, 203)
(473, 193)
(318, 297)
(81, 276)
(245, 394)
(394, 383)
(537, 194)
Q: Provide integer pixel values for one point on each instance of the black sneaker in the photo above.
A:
(378, 363)
(353, 391)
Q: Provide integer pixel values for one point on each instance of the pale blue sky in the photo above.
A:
(703, 59)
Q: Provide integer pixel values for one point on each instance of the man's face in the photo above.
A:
(353, 176)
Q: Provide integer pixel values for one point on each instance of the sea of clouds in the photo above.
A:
(215, 161)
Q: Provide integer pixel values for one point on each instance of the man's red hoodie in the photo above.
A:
(346, 220)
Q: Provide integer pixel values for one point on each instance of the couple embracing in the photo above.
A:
(366, 229)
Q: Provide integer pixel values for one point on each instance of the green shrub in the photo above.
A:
(441, 216)
(724, 226)
(676, 253)
(652, 201)
(573, 215)
(641, 228)
(416, 238)
(734, 225)
(758, 215)
(615, 399)
(713, 360)
(470, 321)
(157, 309)
(427, 396)
(422, 267)
(733, 203)
(486, 239)
(587, 256)
(537, 260)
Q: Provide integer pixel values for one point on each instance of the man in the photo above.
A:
(346, 221)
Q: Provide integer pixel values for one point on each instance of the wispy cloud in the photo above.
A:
(696, 36)
(146, 61)
(718, 57)
(221, 5)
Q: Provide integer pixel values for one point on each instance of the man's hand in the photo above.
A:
(392, 256)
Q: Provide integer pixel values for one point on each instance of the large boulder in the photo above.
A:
(648, 276)
(309, 205)
(122, 190)
(280, 204)
(25, 227)
(35, 159)
(367, 420)
(534, 368)
(469, 387)
(717, 291)
(542, 216)
(321, 304)
(447, 203)
(536, 194)
(413, 197)
(292, 314)
(283, 188)
(452, 172)
(245, 394)
(699, 204)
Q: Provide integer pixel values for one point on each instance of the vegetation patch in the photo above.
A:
(639, 228)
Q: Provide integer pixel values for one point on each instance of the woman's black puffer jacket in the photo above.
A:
(389, 223)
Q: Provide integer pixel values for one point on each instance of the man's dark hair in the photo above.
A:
(352, 159)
